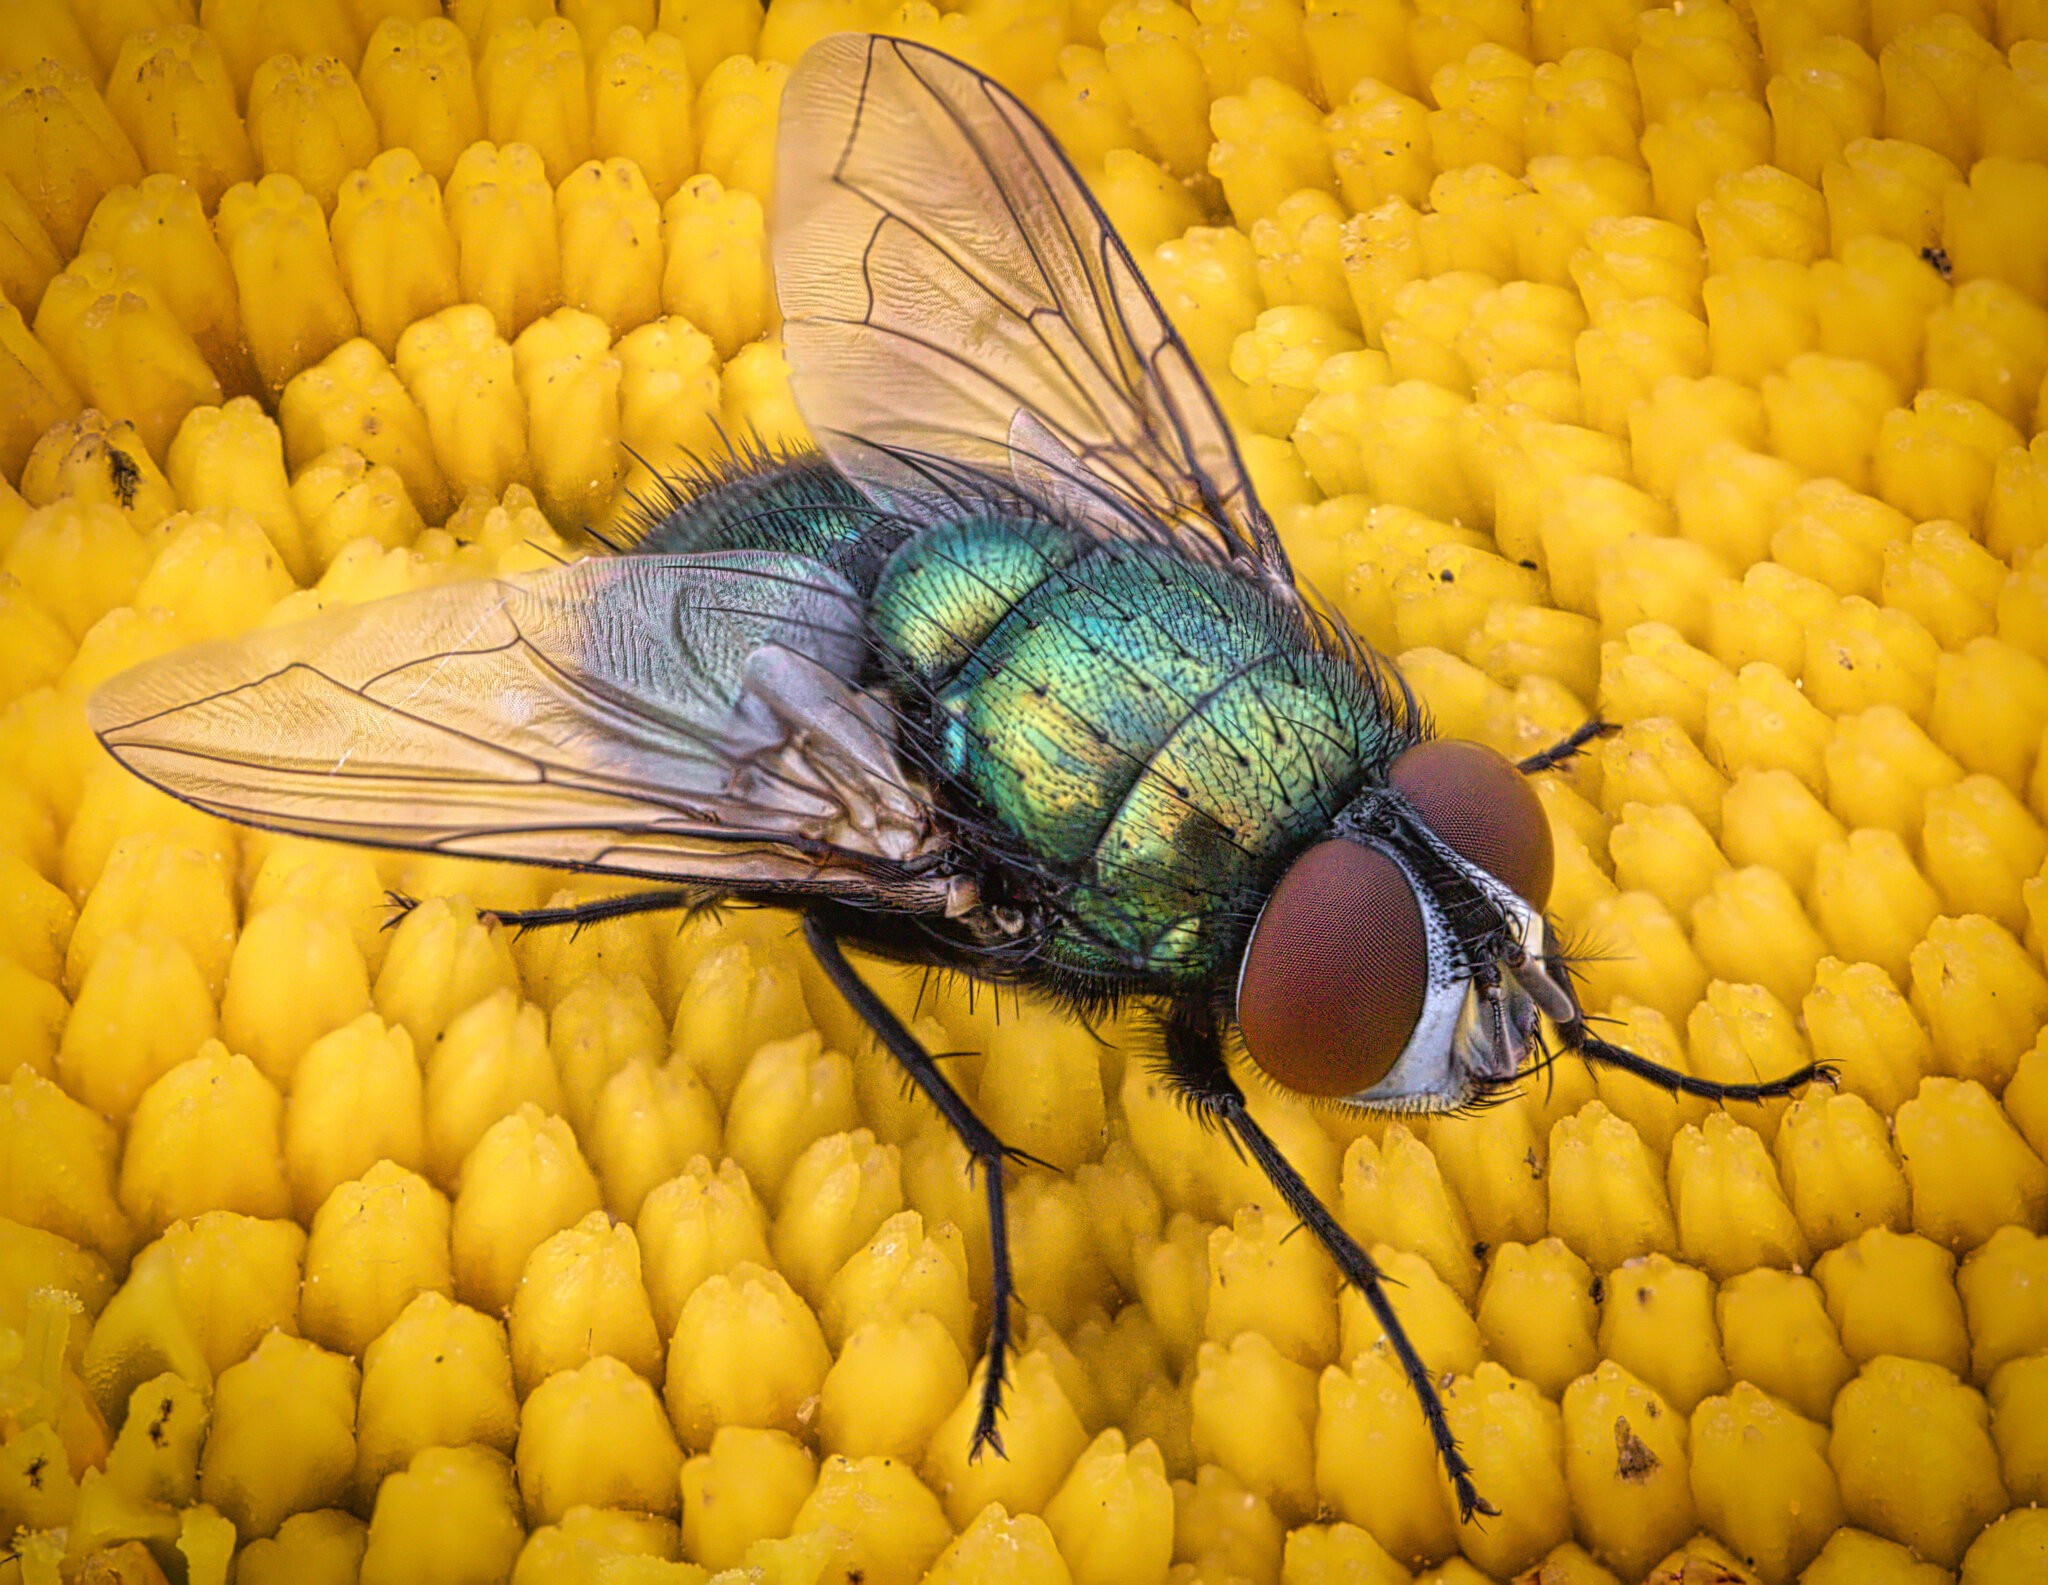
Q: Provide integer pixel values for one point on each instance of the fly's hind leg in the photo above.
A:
(596, 911)
(987, 1152)
(1194, 1059)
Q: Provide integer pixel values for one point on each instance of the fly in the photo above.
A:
(1011, 677)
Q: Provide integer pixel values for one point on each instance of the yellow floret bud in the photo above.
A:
(61, 147)
(1825, 95)
(1731, 1211)
(1373, 1459)
(1859, 1022)
(1936, 460)
(307, 119)
(1881, 767)
(501, 212)
(1894, 1293)
(1915, 1458)
(641, 98)
(1931, 76)
(1281, 359)
(1824, 412)
(1606, 1197)
(1148, 47)
(1241, 40)
(1693, 145)
(602, 1023)
(1001, 1550)
(534, 88)
(1969, 1168)
(647, 1124)
(1379, 144)
(1658, 1321)
(376, 1244)
(570, 381)
(1113, 1515)
(354, 399)
(595, 1435)
(156, 1457)
(1750, 928)
(1990, 343)
(738, 102)
(1422, 331)
(1826, 531)
(295, 977)
(465, 380)
(283, 1434)
(1337, 1551)
(2018, 1393)
(417, 79)
(791, 1093)
(893, 1383)
(1637, 344)
(1777, 1334)
(1394, 1193)
(1482, 101)
(878, 1520)
(1682, 55)
(396, 252)
(169, 90)
(746, 1351)
(142, 1008)
(1853, 1556)
(1872, 302)
(1269, 144)
(1759, 720)
(1040, 1428)
(439, 1376)
(1990, 705)
(610, 250)
(1882, 187)
(173, 1166)
(1259, 1281)
(2001, 1286)
(356, 1100)
(750, 1486)
(1980, 843)
(442, 960)
(121, 345)
(1840, 1170)
(579, 1297)
(1625, 1468)
(669, 395)
(1982, 997)
(1207, 281)
(451, 1514)
(232, 459)
(1979, 224)
(492, 1057)
(755, 400)
(1253, 1414)
(698, 1225)
(1761, 1478)
(1584, 104)
(524, 1180)
(837, 1193)
(600, 1544)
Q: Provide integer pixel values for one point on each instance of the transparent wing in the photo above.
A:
(682, 718)
(952, 294)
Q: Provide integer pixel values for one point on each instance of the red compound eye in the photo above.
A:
(1485, 811)
(1333, 979)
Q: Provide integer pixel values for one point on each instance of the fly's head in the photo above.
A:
(1403, 962)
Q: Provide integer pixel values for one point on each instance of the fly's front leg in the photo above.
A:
(1566, 748)
(987, 1152)
(1194, 1055)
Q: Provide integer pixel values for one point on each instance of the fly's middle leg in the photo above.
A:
(987, 1152)
(596, 911)
(1567, 747)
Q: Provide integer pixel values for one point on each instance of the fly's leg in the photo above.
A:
(1566, 747)
(595, 911)
(1194, 1057)
(1592, 1048)
(985, 1150)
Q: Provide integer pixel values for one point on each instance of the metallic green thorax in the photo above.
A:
(1151, 728)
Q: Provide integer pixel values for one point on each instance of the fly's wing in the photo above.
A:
(952, 294)
(680, 718)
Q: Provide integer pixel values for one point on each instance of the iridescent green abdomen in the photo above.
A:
(1152, 730)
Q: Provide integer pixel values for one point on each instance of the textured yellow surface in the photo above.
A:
(1684, 364)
